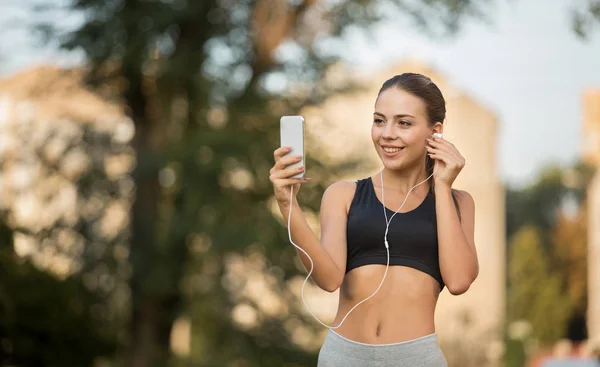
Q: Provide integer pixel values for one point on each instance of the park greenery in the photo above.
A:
(204, 84)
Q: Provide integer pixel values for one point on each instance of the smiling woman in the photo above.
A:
(389, 265)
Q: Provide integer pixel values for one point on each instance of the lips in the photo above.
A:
(391, 151)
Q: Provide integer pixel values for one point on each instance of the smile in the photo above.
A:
(392, 150)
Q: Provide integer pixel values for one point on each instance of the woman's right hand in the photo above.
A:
(281, 177)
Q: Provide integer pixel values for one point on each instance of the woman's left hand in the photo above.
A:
(449, 161)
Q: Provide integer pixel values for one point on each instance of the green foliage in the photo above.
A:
(196, 83)
(515, 355)
(199, 79)
(534, 288)
(546, 263)
(539, 204)
(586, 16)
(45, 321)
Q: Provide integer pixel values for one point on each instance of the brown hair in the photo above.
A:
(435, 105)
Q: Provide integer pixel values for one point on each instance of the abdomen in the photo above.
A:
(402, 309)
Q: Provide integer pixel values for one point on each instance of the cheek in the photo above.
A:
(412, 137)
(375, 133)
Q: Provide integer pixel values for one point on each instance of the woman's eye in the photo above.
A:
(405, 123)
(378, 121)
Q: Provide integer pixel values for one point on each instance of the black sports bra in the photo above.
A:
(412, 236)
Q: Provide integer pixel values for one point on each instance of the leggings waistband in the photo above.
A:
(401, 350)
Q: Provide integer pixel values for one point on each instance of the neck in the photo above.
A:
(405, 179)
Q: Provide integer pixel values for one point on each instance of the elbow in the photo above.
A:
(331, 288)
(333, 285)
(460, 286)
(457, 288)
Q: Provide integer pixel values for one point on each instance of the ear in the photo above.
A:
(438, 128)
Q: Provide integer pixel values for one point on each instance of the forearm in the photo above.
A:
(458, 260)
(326, 273)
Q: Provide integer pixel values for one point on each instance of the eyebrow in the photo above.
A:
(395, 116)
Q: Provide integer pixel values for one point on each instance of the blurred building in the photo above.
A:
(469, 326)
(591, 127)
(591, 155)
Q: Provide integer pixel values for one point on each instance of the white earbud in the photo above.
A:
(438, 135)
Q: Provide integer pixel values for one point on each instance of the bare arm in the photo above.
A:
(458, 256)
(328, 254)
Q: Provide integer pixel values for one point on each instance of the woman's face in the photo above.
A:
(400, 129)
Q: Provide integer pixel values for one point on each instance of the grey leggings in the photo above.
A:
(338, 351)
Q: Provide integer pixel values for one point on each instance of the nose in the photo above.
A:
(388, 131)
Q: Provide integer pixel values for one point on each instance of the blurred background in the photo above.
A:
(137, 224)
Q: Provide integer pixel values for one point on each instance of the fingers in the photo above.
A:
(438, 154)
(282, 160)
(440, 145)
(447, 158)
(281, 174)
(280, 152)
(453, 155)
(286, 173)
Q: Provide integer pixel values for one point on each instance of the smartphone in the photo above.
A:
(292, 135)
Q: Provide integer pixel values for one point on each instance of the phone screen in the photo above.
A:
(292, 135)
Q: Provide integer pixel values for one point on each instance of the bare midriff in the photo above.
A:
(403, 309)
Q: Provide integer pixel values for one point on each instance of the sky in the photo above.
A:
(527, 65)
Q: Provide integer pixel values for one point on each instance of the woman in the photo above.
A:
(431, 236)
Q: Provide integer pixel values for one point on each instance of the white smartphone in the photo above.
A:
(292, 135)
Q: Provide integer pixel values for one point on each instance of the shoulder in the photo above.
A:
(465, 200)
(340, 191)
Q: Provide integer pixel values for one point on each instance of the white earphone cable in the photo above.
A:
(387, 226)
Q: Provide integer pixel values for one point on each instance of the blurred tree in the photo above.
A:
(536, 205)
(540, 203)
(535, 288)
(586, 15)
(547, 231)
(515, 354)
(205, 82)
(45, 321)
(64, 187)
(570, 239)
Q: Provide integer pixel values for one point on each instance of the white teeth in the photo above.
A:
(391, 150)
